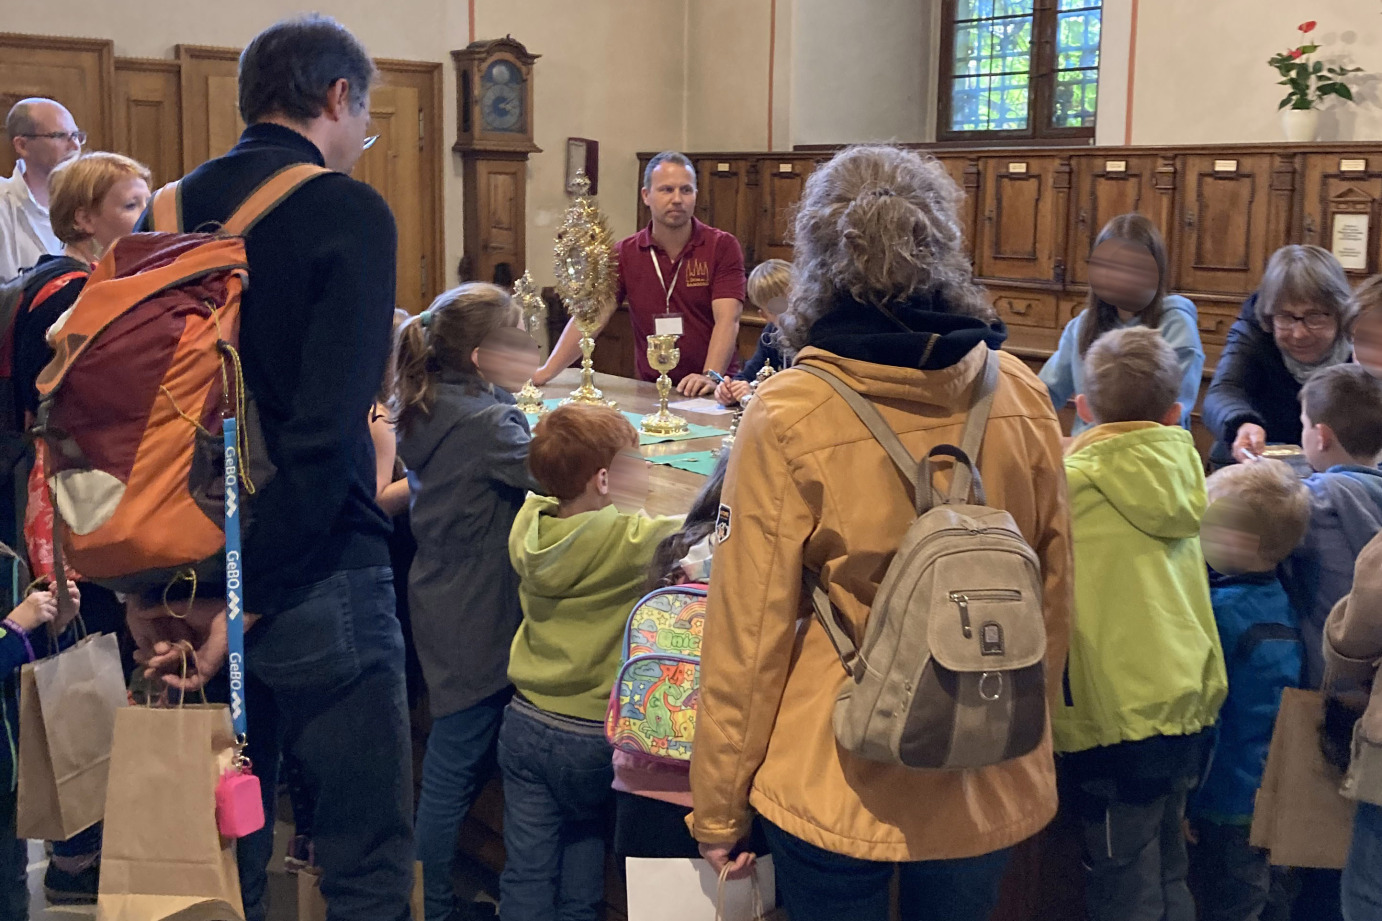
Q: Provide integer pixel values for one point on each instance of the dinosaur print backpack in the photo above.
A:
(652, 708)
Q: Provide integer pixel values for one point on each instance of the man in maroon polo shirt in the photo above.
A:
(678, 266)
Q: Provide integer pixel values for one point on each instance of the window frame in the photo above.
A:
(1042, 83)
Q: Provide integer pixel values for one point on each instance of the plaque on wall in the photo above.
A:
(1350, 241)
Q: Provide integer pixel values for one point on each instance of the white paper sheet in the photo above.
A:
(685, 890)
(704, 405)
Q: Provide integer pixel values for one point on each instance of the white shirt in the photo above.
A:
(25, 231)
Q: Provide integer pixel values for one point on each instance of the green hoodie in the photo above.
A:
(579, 579)
(1144, 657)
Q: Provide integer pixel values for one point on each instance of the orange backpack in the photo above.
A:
(131, 407)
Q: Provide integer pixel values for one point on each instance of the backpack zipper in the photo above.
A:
(963, 598)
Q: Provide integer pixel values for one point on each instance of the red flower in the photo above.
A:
(1307, 26)
(1296, 54)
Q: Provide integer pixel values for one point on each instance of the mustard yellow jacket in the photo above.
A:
(807, 485)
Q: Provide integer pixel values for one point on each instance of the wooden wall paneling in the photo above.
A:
(781, 182)
(210, 103)
(1019, 218)
(723, 201)
(406, 111)
(77, 72)
(148, 115)
(1335, 184)
(1105, 186)
(964, 169)
(1222, 233)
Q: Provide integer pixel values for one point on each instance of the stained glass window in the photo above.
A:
(1027, 68)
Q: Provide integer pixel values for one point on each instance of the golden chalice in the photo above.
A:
(663, 356)
(534, 311)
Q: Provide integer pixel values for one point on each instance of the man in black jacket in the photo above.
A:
(325, 656)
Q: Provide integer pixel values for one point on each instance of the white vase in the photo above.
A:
(1300, 125)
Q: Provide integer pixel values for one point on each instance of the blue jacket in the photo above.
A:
(1262, 648)
(1345, 513)
(1063, 373)
(767, 353)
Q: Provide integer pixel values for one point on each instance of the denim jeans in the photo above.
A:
(819, 885)
(1362, 887)
(557, 804)
(325, 682)
(459, 748)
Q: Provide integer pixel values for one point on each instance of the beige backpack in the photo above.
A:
(949, 674)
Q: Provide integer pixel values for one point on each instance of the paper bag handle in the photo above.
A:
(757, 905)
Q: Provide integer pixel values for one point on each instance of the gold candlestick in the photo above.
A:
(663, 356)
(585, 265)
(534, 310)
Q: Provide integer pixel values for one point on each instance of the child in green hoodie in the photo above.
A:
(1145, 676)
(581, 565)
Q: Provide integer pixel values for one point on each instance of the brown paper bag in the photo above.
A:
(312, 906)
(67, 707)
(1299, 816)
(163, 857)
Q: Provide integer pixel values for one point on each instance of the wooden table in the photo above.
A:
(672, 490)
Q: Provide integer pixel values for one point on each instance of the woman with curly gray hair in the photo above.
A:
(884, 301)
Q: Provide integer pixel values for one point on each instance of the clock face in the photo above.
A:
(502, 97)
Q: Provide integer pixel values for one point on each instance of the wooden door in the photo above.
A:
(1023, 223)
(781, 182)
(77, 72)
(210, 103)
(1341, 205)
(1104, 187)
(722, 200)
(391, 166)
(148, 115)
(413, 91)
(1224, 231)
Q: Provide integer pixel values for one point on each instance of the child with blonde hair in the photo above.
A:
(465, 445)
(770, 283)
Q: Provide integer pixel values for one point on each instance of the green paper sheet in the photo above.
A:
(696, 431)
(702, 462)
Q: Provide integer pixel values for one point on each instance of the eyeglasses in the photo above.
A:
(1315, 322)
(77, 137)
(371, 141)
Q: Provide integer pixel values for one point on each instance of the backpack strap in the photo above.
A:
(166, 210)
(825, 613)
(878, 426)
(972, 438)
(270, 194)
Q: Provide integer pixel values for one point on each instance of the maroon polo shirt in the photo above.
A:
(710, 268)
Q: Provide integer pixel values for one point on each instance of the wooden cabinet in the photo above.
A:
(77, 72)
(1341, 193)
(780, 184)
(1107, 185)
(723, 199)
(964, 170)
(1023, 215)
(148, 115)
(1226, 226)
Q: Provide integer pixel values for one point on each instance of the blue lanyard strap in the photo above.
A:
(235, 604)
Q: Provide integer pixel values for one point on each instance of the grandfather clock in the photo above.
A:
(494, 139)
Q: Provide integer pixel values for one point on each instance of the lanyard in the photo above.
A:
(666, 289)
(235, 602)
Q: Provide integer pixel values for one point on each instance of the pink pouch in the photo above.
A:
(239, 804)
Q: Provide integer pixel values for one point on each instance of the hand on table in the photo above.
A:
(695, 385)
(719, 856)
(731, 392)
(1250, 443)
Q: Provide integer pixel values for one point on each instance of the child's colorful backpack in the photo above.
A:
(652, 709)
